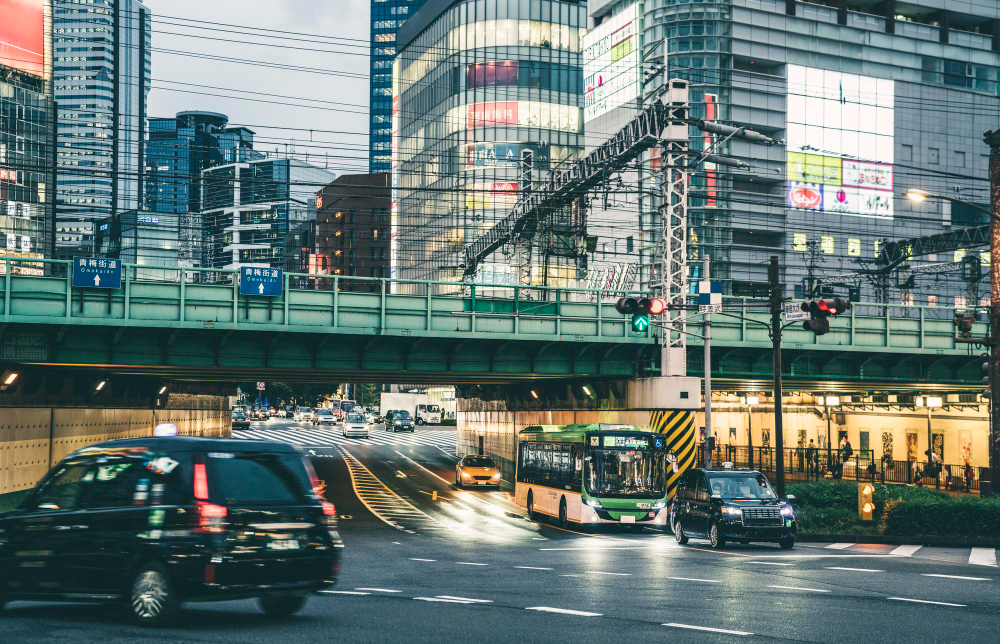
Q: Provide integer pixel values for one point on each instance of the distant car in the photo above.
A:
(150, 523)
(240, 421)
(477, 470)
(302, 413)
(323, 417)
(272, 412)
(356, 425)
(288, 411)
(398, 421)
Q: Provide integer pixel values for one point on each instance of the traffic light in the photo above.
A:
(986, 375)
(819, 310)
(963, 322)
(866, 501)
(641, 310)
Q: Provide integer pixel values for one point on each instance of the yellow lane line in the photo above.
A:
(357, 471)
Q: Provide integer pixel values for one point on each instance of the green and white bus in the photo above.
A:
(593, 474)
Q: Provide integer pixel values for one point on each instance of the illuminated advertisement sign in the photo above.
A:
(502, 154)
(840, 142)
(22, 41)
(486, 196)
(490, 114)
(611, 63)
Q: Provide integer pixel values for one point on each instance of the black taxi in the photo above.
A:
(731, 505)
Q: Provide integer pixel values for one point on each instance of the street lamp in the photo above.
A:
(930, 402)
(918, 195)
(749, 401)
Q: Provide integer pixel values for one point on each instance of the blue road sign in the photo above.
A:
(97, 272)
(261, 281)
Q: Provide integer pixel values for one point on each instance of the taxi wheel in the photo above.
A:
(716, 537)
(786, 544)
(563, 520)
(282, 605)
(531, 508)
(679, 533)
(152, 601)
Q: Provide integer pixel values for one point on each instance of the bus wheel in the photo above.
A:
(531, 507)
(563, 521)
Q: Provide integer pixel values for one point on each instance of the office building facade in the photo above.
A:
(387, 16)
(869, 99)
(142, 238)
(477, 83)
(351, 236)
(177, 151)
(101, 83)
(248, 208)
(27, 131)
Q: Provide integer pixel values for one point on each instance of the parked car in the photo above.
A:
(398, 420)
(152, 522)
(240, 420)
(323, 417)
(356, 425)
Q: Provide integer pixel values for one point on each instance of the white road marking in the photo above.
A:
(771, 563)
(444, 601)
(708, 628)
(539, 538)
(397, 543)
(983, 557)
(564, 611)
(466, 599)
(616, 574)
(853, 569)
(839, 546)
(927, 574)
(469, 563)
(343, 592)
(423, 468)
(571, 575)
(418, 559)
(381, 590)
(532, 568)
(812, 590)
(905, 551)
(707, 581)
(924, 601)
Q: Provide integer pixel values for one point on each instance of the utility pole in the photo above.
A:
(709, 442)
(775, 301)
(992, 138)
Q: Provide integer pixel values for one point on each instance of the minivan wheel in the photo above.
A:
(152, 601)
(679, 533)
(716, 537)
(282, 605)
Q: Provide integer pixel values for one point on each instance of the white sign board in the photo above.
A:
(260, 386)
(793, 312)
(611, 63)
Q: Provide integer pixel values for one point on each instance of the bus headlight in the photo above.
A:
(659, 505)
(594, 503)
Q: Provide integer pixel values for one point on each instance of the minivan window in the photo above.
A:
(113, 484)
(60, 492)
(259, 478)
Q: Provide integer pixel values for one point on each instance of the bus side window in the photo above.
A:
(578, 458)
(546, 462)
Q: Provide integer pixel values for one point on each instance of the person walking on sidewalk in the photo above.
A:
(812, 460)
(969, 476)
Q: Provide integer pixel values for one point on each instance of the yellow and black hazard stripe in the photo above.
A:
(678, 427)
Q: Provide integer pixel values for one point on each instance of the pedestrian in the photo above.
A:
(871, 469)
(811, 459)
(934, 466)
(800, 452)
(969, 476)
(915, 473)
(846, 452)
(887, 465)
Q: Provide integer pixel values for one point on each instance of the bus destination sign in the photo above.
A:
(630, 442)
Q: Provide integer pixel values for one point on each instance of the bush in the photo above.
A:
(900, 510)
(449, 422)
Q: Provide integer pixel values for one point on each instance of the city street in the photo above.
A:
(468, 565)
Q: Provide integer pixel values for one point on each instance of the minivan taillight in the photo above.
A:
(329, 513)
(211, 518)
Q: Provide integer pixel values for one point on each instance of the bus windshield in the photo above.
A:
(626, 472)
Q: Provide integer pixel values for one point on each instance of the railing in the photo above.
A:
(830, 465)
(42, 291)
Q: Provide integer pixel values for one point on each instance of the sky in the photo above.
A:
(343, 146)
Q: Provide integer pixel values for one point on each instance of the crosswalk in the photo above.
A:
(444, 440)
(972, 556)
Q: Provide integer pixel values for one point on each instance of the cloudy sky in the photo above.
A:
(328, 93)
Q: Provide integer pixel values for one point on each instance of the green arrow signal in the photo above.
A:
(640, 322)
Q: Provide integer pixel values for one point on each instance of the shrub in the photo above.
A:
(450, 422)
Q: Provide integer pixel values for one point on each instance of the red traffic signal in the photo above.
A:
(643, 306)
(657, 306)
(819, 310)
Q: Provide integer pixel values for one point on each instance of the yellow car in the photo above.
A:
(477, 471)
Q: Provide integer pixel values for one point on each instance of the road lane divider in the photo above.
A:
(853, 569)
(343, 592)
(466, 599)
(380, 590)
(924, 601)
(563, 611)
(532, 568)
(839, 546)
(707, 581)
(419, 559)
(724, 631)
(380, 500)
(905, 551)
(810, 590)
(927, 574)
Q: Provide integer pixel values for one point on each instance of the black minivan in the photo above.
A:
(153, 522)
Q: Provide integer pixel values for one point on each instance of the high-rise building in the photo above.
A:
(27, 130)
(387, 17)
(477, 83)
(248, 208)
(143, 238)
(177, 151)
(352, 229)
(101, 82)
(861, 123)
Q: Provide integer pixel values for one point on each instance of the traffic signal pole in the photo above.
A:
(775, 301)
(993, 140)
(708, 378)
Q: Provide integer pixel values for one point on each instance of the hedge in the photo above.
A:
(832, 507)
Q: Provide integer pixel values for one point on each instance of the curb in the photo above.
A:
(958, 542)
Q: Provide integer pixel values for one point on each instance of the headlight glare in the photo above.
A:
(733, 512)
(787, 511)
(594, 503)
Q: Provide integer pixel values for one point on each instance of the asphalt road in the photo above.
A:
(467, 566)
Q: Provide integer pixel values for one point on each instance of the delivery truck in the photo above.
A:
(419, 406)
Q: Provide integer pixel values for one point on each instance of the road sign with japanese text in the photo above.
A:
(97, 272)
(709, 296)
(255, 280)
(793, 312)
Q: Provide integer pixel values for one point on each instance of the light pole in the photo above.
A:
(991, 138)
(750, 401)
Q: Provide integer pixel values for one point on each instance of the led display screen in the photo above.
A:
(840, 142)
(22, 35)
(611, 63)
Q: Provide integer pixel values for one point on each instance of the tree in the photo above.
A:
(368, 396)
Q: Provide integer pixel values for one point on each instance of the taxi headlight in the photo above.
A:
(732, 512)
(496, 477)
(787, 511)
(465, 475)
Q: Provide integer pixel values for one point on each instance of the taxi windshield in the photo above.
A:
(750, 487)
(479, 462)
(403, 415)
(626, 472)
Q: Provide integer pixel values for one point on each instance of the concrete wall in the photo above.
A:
(32, 439)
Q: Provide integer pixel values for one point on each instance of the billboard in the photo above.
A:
(611, 63)
(22, 40)
(504, 154)
(840, 130)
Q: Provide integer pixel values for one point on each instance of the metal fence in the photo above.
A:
(859, 467)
